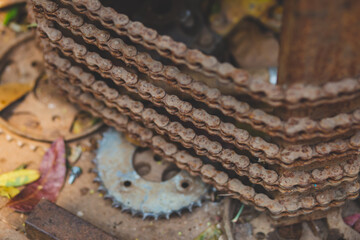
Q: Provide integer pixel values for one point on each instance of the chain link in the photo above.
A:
(291, 205)
(294, 96)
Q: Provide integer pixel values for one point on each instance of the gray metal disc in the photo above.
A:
(132, 192)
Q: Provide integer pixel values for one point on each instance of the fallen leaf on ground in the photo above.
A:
(10, 15)
(230, 12)
(353, 221)
(9, 192)
(83, 121)
(21, 166)
(132, 140)
(75, 153)
(10, 92)
(19, 178)
(53, 170)
(8, 3)
(211, 233)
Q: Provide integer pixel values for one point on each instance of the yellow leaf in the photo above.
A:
(10, 92)
(132, 140)
(233, 11)
(9, 192)
(83, 121)
(18, 177)
(212, 233)
(75, 153)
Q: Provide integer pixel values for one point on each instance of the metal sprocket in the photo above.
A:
(131, 192)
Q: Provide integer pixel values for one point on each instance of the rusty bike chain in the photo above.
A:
(283, 205)
(292, 130)
(342, 147)
(295, 96)
(292, 205)
(296, 181)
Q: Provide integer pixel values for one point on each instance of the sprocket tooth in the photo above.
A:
(101, 188)
(167, 216)
(190, 207)
(107, 196)
(125, 209)
(146, 215)
(116, 204)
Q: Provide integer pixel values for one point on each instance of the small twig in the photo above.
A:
(236, 218)
(32, 25)
(225, 194)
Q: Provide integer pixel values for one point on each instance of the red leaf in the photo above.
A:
(352, 219)
(52, 170)
(357, 226)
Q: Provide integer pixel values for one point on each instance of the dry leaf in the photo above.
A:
(10, 92)
(9, 192)
(19, 178)
(132, 140)
(53, 170)
(212, 233)
(353, 221)
(233, 11)
(7, 3)
(75, 153)
(82, 122)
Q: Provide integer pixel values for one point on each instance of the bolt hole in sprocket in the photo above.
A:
(142, 183)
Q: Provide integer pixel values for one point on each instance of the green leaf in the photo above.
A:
(83, 121)
(22, 166)
(212, 233)
(10, 15)
(53, 170)
(19, 178)
(9, 192)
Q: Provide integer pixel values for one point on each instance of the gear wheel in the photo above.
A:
(126, 175)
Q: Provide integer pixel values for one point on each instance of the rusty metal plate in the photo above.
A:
(49, 221)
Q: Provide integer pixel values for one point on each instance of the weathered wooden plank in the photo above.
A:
(320, 41)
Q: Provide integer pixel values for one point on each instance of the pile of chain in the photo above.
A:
(286, 166)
